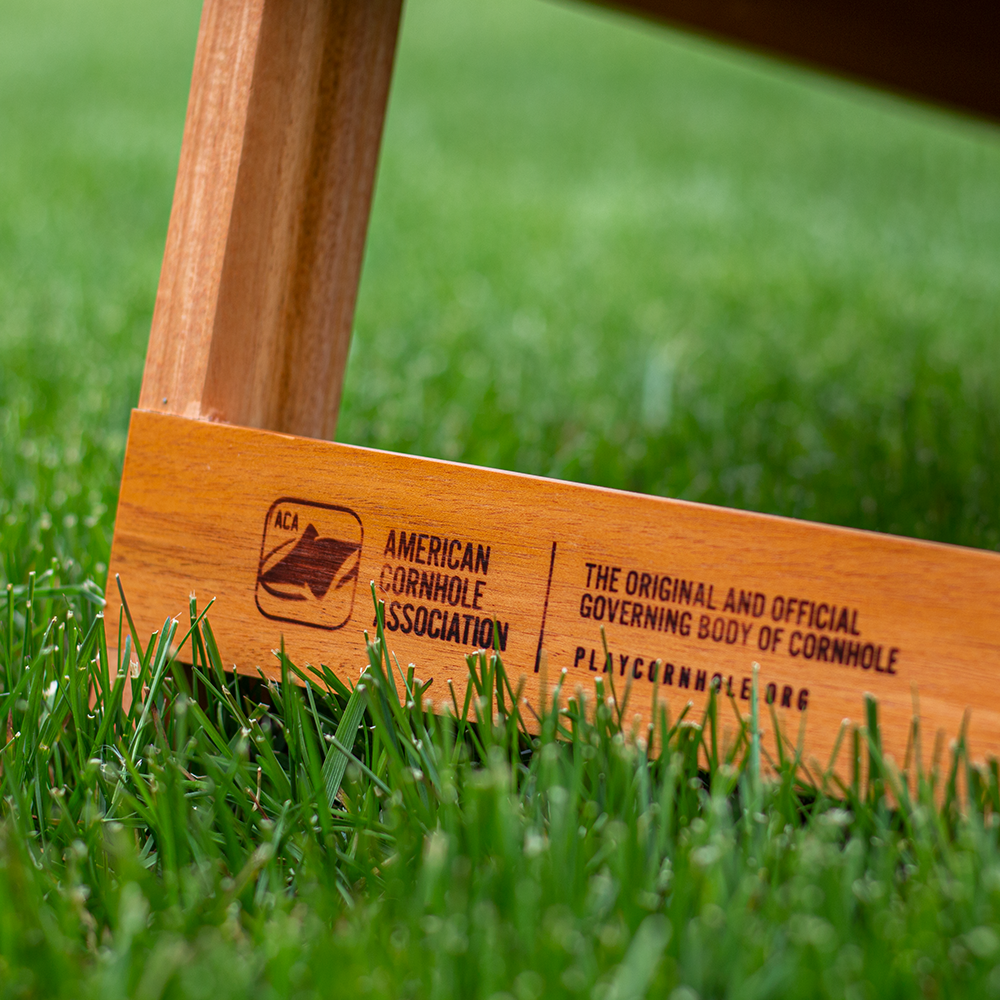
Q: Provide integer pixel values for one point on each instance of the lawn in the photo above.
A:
(598, 251)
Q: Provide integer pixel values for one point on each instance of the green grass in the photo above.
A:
(218, 840)
(597, 252)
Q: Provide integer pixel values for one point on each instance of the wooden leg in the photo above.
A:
(256, 299)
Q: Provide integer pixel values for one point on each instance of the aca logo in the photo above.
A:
(309, 560)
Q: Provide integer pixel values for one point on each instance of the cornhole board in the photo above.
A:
(231, 489)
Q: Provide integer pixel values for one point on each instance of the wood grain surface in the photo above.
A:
(946, 53)
(257, 291)
(286, 534)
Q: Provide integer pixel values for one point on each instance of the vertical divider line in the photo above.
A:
(545, 608)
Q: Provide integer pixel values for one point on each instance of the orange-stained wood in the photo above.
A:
(286, 534)
(256, 298)
(946, 53)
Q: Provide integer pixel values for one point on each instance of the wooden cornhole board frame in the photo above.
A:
(231, 488)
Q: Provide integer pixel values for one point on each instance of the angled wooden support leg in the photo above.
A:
(253, 315)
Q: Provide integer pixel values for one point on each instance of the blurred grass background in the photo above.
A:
(598, 251)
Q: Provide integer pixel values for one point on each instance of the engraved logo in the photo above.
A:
(309, 560)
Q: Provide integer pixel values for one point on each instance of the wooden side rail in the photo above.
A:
(287, 533)
(946, 53)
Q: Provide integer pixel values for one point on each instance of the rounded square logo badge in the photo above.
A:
(309, 560)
